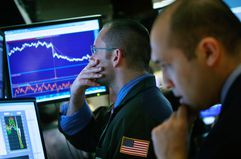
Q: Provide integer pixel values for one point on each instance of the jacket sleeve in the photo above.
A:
(87, 138)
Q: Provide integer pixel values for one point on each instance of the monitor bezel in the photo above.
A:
(33, 100)
(53, 22)
(47, 23)
(2, 65)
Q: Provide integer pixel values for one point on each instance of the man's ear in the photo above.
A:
(209, 49)
(117, 57)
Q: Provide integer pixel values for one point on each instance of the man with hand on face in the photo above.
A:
(198, 45)
(120, 60)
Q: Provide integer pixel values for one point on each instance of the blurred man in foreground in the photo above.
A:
(197, 43)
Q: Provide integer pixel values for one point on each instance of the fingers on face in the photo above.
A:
(90, 76)
(89, 83)
(92, 63)
(92, 73)
(93, 70)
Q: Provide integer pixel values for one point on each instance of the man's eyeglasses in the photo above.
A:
(94, 49)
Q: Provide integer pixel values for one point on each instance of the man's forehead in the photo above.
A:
(100, 36)
(160, 48)
(159, 38)
(160, 28)
(164, 18)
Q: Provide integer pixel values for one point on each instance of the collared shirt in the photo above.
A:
(127, 87)
(229, 82)
(84, 115)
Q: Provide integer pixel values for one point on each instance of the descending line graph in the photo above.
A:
(47, 66)
(50, 53)
(47, 45)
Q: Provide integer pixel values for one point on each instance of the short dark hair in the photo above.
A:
(133, 38)
(193, 20)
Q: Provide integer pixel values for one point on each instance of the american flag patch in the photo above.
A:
(134, 147)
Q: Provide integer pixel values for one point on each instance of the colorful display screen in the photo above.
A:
(44, 59)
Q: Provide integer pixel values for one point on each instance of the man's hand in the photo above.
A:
(171, 138)
(85, 79)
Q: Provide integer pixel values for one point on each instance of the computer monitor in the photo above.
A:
(237, 11)
(1, 66)
(235, 7)
(20, 134)
(210, 115)
(45, 58)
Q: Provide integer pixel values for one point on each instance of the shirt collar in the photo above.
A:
(127, 87)
(229, 82)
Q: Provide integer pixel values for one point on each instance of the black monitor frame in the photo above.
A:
(16, 100)
(2, 66)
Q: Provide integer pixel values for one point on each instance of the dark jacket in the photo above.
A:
(224, 140)
(141, 110)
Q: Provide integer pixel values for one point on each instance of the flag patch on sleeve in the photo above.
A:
(134, 147)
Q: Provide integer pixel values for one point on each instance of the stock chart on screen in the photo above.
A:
(43, 60)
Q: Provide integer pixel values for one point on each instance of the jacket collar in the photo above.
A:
(137, 89)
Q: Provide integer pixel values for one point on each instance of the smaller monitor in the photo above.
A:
(20, 134)
(1, 66)
(209, 115)
(96, 91)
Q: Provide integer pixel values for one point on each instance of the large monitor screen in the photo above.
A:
(235, 7)
(20, 134)
(237, 11)
(1, 66)
(44, 59)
